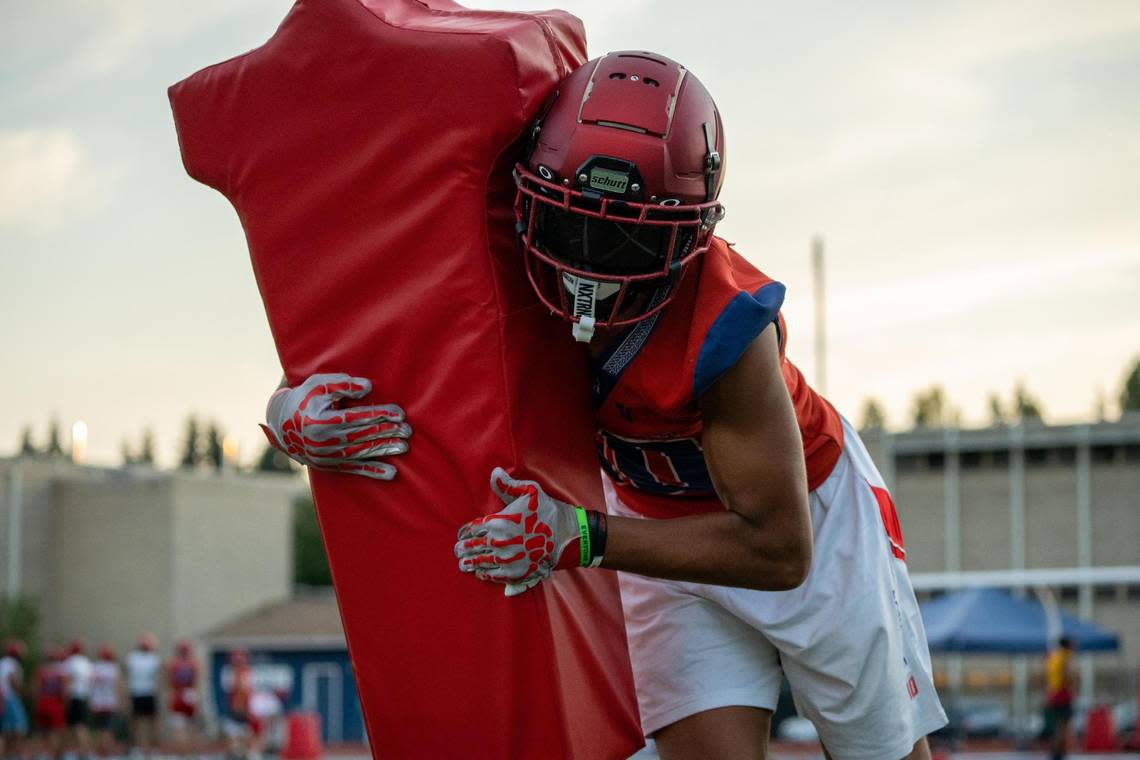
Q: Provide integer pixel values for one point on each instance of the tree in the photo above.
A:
(1130, 393)
(215, 454)
(929, 408)
(998, 414)
(191, 452)
(125, 453)
(1025, 406)
(873, 415)
(146, 448)
(27, 448)
(54, 447)
(310, 563)
(272, 460)
(19, 619)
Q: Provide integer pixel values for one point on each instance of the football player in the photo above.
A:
(50, 708)
(142, 665)
(13, 716)
(753, 536)
(77, 687)
(182, 672)
(106, 699)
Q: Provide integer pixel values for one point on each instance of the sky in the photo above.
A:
(973, 168)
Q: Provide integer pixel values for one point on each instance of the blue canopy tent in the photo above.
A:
(993, 621)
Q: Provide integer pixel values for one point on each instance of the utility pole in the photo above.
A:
(14, 584)
(820, 315)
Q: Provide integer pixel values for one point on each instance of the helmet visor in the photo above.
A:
(606, 246)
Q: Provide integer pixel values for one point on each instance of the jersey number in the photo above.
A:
(661, 467)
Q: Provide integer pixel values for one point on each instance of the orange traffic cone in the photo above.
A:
(302, 737)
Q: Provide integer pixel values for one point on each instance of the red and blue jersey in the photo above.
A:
(183, 673)
(648, 382)
(51, 679)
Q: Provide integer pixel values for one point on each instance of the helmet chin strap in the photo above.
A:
(583, 329)
(585, 294)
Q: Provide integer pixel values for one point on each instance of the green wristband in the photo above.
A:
(583, 537)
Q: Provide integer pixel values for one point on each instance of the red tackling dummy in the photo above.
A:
(367, 149)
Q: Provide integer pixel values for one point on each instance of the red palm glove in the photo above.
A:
(309, 425)
(521, 545)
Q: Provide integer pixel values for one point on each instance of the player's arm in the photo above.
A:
(762, 540)
(754, 453)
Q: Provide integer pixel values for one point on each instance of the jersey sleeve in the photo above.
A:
(749, 301)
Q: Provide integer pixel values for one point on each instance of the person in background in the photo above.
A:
(13, 717)
(143, 664)
(265, 711)
(77, 687)
(50, 711)
(182, 679)
(106, 698)
(237, 724)
(1060, 685)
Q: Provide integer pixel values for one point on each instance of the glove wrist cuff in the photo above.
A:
(273, 407)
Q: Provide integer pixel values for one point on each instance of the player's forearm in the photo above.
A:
(722, 548)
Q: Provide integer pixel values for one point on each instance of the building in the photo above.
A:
(296, 649)
(111, 552)
(1028, 505)
(108, 553)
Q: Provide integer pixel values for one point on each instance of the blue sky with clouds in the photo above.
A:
(973, 167)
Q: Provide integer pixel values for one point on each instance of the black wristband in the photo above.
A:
(596, 522)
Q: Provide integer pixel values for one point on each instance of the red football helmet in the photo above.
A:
(618, 193)
(107, 653)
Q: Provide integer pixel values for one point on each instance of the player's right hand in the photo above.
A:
(311, 427)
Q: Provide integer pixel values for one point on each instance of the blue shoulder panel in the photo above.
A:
(742, 320)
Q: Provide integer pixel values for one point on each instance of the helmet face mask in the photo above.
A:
(612, 214)
(589, 254)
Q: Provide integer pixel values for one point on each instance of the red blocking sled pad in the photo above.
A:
(366, 148)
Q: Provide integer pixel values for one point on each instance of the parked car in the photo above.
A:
(973, 718)
(984, 718)
(1124, 716)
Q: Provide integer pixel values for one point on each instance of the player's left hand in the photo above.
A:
(521, 545)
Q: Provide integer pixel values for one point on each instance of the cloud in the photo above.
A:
(985, 32)
(957, 292)
(98, 38)
(45, 178)
(127, 28)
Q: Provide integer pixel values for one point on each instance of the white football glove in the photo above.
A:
(311, 427)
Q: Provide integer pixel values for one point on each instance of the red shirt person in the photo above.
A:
(182, 672)
(51, 712)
